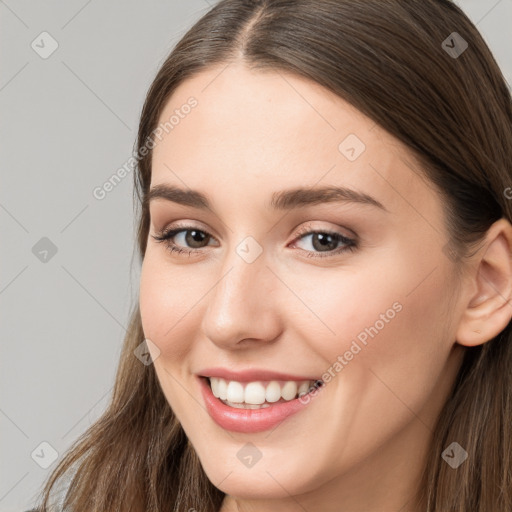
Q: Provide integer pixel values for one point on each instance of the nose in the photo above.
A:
(242, 306)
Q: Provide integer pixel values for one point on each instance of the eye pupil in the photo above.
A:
(194, 236)
(325, 241)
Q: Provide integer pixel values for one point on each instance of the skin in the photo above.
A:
(360, 444)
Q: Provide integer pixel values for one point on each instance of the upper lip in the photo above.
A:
(252, 374)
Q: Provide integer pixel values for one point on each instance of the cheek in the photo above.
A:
(347, 306)
(167, 317)
(404, 339)
(392, 323)
(166, 299)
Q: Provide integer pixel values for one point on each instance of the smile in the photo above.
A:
(254, 406)
(253, 395)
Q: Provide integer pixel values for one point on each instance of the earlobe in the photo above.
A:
(489, 308)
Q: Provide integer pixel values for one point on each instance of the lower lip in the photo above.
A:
(247, 420)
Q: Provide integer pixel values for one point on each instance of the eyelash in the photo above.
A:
(166, 235)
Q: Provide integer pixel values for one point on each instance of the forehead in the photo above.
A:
(266, 130)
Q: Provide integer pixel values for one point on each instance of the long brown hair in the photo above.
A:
(387, 58)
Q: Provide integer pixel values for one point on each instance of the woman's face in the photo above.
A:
(293, 285)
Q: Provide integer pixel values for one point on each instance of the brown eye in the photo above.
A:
(324, 242)
(184, 239)
(190, 240)
(327, 242)
(195, 238)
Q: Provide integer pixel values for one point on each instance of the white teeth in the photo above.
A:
(214, 384)
(303, 389)
(252, 395)
(222, 389)
(289, 391)
(273, 392)
(235, 392)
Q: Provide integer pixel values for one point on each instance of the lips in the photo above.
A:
(242, 416)
(253, 374)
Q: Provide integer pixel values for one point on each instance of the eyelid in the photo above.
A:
(351, 242)
(303, 230)
(309, 227)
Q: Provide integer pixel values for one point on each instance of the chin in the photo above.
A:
(271, 479)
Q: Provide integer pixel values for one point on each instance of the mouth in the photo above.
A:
(255, 406)
(258, 394)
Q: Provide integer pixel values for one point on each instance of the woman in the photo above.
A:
(325, 239)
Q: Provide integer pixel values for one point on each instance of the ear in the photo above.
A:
(489, 308)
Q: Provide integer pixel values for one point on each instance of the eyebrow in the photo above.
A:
(282, 200)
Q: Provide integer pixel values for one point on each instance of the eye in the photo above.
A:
(187, 235)
(326, 242)
(322, 241)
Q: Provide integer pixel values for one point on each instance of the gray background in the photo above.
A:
(68, 123)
